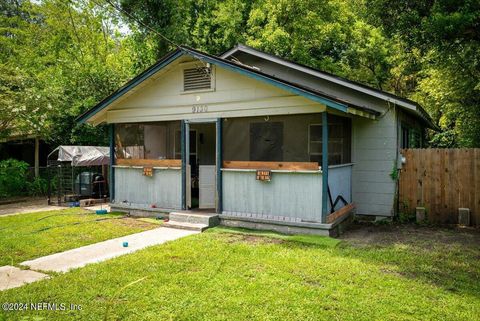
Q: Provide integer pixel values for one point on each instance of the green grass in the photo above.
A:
(227, 274)
(28, 236)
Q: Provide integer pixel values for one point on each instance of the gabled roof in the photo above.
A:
(329, 100)
(386, 96)
(315, 95)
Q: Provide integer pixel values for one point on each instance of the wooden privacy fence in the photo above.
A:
(442, 181)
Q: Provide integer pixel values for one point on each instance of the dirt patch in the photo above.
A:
(27, 205)
(363, 234)
(252, 239)
(132, 222)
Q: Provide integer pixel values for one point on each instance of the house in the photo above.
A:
(262, 141)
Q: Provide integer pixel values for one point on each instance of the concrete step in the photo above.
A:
(208, 219)
(186, 226)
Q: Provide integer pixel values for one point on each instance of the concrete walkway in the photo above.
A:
(11, 277)
(64, 261)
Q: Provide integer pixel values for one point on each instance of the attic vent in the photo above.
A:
(197, 78)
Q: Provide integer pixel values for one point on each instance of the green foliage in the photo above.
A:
(406, 217)
(394, 173)
(445, 139)
(37, 187)
(424, 50)
(447, 76)
(59, 58)
(13, 177)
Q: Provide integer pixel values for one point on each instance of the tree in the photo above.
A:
(445, 35)
(59, 59)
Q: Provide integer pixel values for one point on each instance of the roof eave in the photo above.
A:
(359, 87)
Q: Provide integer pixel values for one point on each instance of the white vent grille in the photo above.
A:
(197, 78)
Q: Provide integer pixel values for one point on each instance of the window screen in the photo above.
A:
(405, 137)
(146, 141)
(339, 141)
(197, 78)
(266, 141)
(287, 138)
(411, 137)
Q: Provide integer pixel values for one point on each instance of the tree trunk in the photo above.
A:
(37, 157)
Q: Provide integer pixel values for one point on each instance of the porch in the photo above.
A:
(271, 174)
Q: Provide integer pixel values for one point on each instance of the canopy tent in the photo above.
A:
(83, 155)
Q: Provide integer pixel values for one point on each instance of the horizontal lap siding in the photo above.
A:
(163, 189)
(234, 95)
(291, 195)
(374, 154)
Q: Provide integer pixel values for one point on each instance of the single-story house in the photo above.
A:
(260, 140)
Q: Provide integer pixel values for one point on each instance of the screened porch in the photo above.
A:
(271, 166)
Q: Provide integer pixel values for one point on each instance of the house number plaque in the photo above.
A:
(264, 175)
(199, 109)
(148, 171)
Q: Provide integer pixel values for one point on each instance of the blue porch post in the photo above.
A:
(219, 161)
(184, 164)
(111, 179)
(324, 167)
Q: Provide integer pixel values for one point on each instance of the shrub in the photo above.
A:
(38, 187)
(13, 177)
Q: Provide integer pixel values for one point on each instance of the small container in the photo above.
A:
(101, 212)
(125, 244)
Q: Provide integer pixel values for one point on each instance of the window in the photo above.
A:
(411, 137)
(266, 141)
(339, 141)
(405, 140)
(197, 78)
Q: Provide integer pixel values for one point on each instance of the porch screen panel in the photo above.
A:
(339, 141)
(285, 138)
(266, 141)
(146, 140)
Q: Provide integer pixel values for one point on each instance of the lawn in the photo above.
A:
(28, 236)
(372, 273)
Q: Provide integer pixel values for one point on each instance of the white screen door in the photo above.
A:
(206, 186)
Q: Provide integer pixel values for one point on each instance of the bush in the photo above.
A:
(13, 177)
(38, 187)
